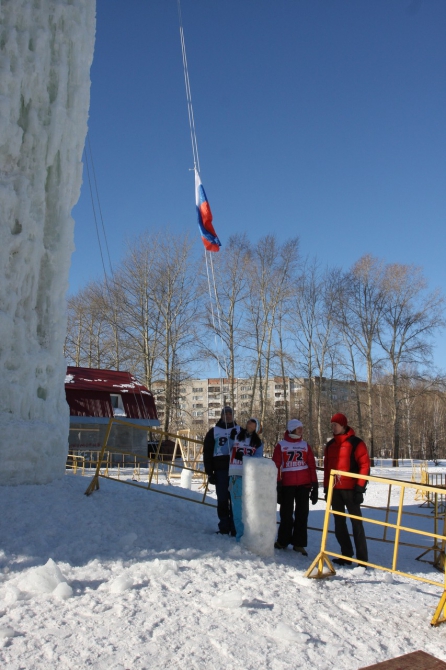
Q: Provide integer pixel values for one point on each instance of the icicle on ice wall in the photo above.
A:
(259, 502)
(46, 49)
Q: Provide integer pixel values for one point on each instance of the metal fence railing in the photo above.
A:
(322, 566)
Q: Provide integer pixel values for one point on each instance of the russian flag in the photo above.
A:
(208, 234)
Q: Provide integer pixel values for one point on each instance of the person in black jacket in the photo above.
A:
(216, 449)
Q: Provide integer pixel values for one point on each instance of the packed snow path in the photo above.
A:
(139, 580)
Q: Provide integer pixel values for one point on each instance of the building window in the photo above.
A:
(117, 404)
(197, 390)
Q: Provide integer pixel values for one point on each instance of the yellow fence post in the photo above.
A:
(155, 460)
(398, 528)
(387, 512)
(322, 558)
(94, 484)
(440, 562)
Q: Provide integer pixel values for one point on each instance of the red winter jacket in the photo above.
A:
(295, 462)
(341, 454)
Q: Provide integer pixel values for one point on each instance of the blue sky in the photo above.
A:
(318, 118)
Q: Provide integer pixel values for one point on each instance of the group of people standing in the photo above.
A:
(226, 445)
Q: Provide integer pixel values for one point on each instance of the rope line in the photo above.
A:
(94, 211)
(99, 207)
(218, 342)
(190, 109)
(88, 158)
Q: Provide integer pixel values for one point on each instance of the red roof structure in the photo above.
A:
(89, 393)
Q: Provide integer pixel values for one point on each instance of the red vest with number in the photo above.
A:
(295, 462)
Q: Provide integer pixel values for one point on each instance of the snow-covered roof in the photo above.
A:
(89, 391)
(113, 381)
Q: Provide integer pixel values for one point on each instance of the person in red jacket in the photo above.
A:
(348, 453)
(296, 483)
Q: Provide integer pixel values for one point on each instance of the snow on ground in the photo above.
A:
(128, 578)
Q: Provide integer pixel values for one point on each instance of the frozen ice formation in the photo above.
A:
(46, 49)
(259, 505)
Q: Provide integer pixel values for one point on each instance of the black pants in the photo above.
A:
(343, 498)
(224, 508)
(294, 530)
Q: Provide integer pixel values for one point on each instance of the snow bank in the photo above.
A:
(47, 49)
(47, 578)
(259, 505)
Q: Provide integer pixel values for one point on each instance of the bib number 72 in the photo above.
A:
(294, 458)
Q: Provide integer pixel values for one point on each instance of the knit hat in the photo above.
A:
(293, 424)
(257, 423)
(226, 409)
(339, 418)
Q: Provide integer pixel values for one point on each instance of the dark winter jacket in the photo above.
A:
(295, 462)
(217, 446)
(347, 453)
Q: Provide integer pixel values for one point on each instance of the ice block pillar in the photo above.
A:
(259, 505)
(46, 50)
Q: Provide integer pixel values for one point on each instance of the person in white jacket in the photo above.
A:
(246, 444)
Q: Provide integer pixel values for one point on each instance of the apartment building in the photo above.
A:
(197, 403)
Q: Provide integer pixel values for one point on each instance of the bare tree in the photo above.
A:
(312, 331)
(224, 316)
(87, 340)
(174, 301)
(137, 321)
(76, 307)
(360, 313)
(279, 318)
(271, 278)
(411, 315)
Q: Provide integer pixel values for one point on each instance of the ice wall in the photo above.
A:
(46, 49)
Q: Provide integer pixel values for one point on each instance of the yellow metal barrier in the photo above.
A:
(437, 501)
(322, 560)
(154, 463)
(420, 494)
(73, 462)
